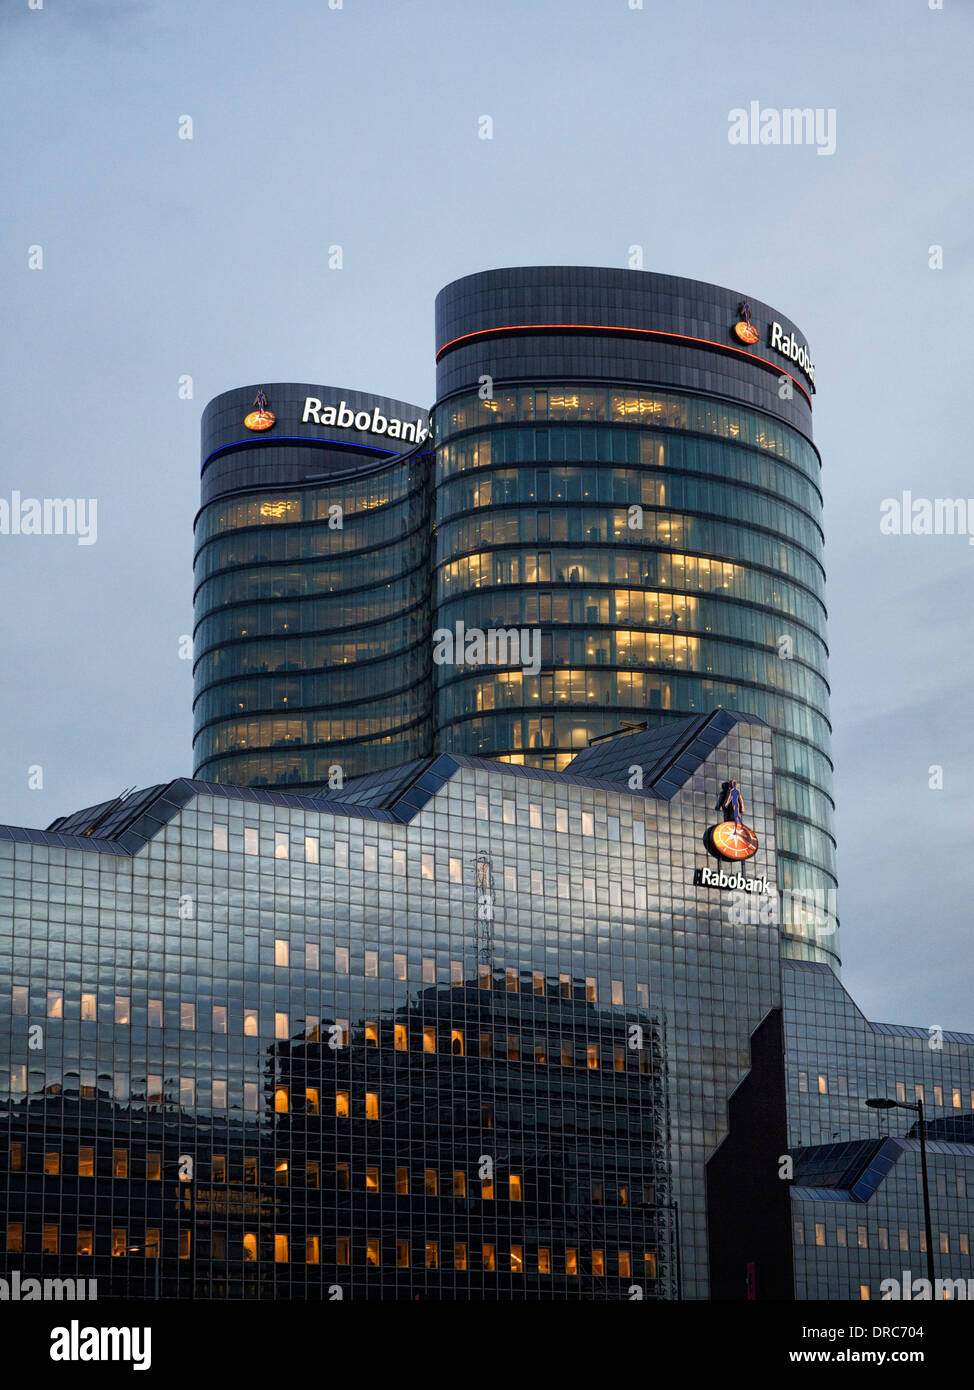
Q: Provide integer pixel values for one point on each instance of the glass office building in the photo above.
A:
(624, 461)
(459, 1030)
(311, 637)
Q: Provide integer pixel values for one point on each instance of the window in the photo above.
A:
(571, 1261)
(862, 1237)
(280, 952)
(598, 1262)
(625, 1264)
(487, 1189)
(399, 967)
(540, 1052)
(619, 1058)
(280, 1240)
(819, 1232)
(21, 999)
(312, 1244)
(219, 1095)
(399, 862)
(561, 819)
(544, 1260)
(120, 1163)
(429, 972)
(312, 1100)
(534, 815)
(89, 1010)
(187, 1091)
(55, 1005)
(371, 1105)
(341, 854)
(429, 1039)
(459, 1183)
(588, 823)
(372, 964)
(219, 1018)
(490, 1257)
(153, 1167)
(372, 1178)
(402, 1254)
(456, 972)
(617, 991)
(341, 960)
(281, 1173)
(372, 1250)
(514, 1183)
(402, 1182)
(400, 1037)
(343, 1250)
(311, 857)
(311, 955)
(510, 980)
(432, 1254)
(370, 857)
(343, 1177)
(513, 1048)
(122, 1002)
(342, 1108)
(592, 1056)
(250, 1095)
(119, 1242)
(52, 1162)
(517, 1259)
(15, 1237)
(281, 841)
(481, 808)
(460, 1255)
(86, 1241)
(537, 982)
(86, 1161)
(485, 1048)
(250, 1023)
(312, 1173)
(537, 882)
(187, 1015)
(456, 871)
(566, 1054)
(250, 839)
(430, 1181)
(565, 986)
(456, 1042)
(484, 980)
(426, 866)
(249, 1247)
(218, 1167)
(823, 1088)
(281, 1026)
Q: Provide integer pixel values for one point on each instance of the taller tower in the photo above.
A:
(625, 461)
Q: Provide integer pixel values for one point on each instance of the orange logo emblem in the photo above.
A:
(733, 840)
(744, 328)
(261, 418)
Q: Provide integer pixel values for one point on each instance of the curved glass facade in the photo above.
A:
(311, 639)
(614, 474)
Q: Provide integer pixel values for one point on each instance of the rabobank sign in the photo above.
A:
(791, 348)
(368, 421)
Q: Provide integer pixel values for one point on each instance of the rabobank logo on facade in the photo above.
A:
(790, 347)
(368, 421)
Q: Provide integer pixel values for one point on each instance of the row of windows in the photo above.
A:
(843, 1236)
(819, 1083)
(372, 567)
(662, 409)
(377, 718)
(384, 679)
(462, 694)
(600, 1262)
(474, 474)
(259, 657)
(401, 1180)
(661, 531)
(498, 733)
(312, 768)
(624, 607)
(320, 615)
(337, 535)
(308, 504)
(634, 525)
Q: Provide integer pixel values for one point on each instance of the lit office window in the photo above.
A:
(220, 838)
(430, 1182)
(280, 1249)
(49, 1240)
(311, 857)
(432, 1254)
(487, 1189)
(281, 1026)
(571, 1261)
(371, 1105)
(15, 1237)
(372, 964)
(490, 1258)
(822, 1085)
(649, 1264)
(219, 1167)
(544, 1260)
(456, 871)
(312, 1100)
(592, 1056)
(119, 1242)
(86, 1241)
(819, 1232)
(55, 1005)
(250, 1023)
(598, 1262)
(120, 1163)
(459, 1183)
(402, 1182)
(460, 1255)
(400, 1037)
(281, 1173)
(312, 1173)
(281, 844)
(514, 1183)
(864, 1293)
(617, 991)
(429, 1039)
(89, 1010)
(900, 1090)
(517, 1259)
(280, 1100)
(86, 1161)
(484, 979)
(52, 1162)
(372, 1250)
(250, 839)
(280, 952)
(371, 1179)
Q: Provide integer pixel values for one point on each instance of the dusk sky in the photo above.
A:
(162, 258)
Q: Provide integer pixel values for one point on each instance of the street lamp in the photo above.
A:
(884, 1103)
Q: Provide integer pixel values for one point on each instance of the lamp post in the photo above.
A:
(884, 1103)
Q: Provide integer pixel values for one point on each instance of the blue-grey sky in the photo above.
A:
(358, 126)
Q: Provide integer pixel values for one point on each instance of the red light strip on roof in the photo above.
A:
(623, 332)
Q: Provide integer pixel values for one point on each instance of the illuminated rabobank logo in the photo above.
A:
(790, 347)
(368, 421)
